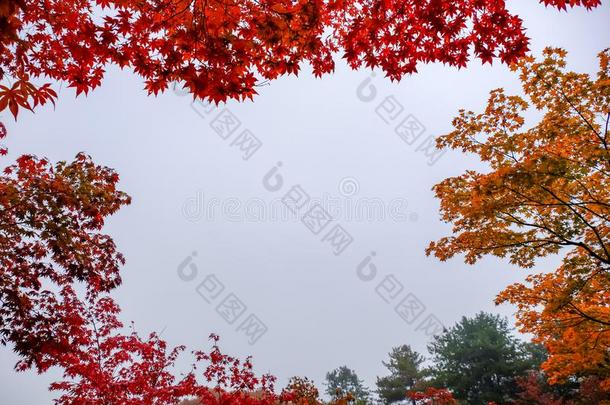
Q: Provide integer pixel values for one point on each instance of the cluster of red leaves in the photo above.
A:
(23, 94)
(432, 396)
(534, 389)
(221, 49)
(9, 23)
(50, 221)
(102, 365)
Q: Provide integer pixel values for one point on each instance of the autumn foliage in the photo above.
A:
(432, 396)
(547, 191)
(534, 389)
(56, 270)
(220, 50)
(50, 240)
(106, 366)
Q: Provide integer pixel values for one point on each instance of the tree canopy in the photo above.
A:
(479, 359)
(342, 381)
(50, 240)
(223, 49)
(547, 191)
(405, 367)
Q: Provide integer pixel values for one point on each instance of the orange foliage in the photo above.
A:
(548, 189)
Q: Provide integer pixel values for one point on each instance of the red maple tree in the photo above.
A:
(221, 49)
(104, 365)
(50, 222)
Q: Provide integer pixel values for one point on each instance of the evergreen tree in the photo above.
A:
(405, 372)
(479, 359)
(344, 380)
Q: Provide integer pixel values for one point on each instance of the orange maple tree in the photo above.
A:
(547, 191)
(221, 49)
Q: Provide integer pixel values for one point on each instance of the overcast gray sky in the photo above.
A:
(322, 305)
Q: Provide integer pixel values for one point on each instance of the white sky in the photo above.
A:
(319, 314)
